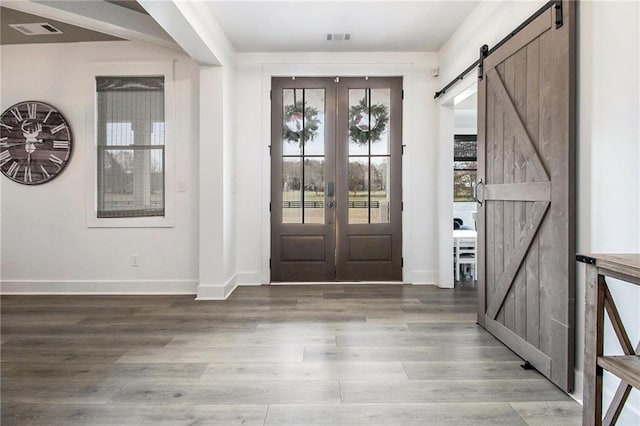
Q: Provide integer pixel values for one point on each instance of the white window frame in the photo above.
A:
(131, 69)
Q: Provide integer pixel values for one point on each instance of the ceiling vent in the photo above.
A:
(338, 37)
(41, 28)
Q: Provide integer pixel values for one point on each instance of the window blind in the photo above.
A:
(130, 142)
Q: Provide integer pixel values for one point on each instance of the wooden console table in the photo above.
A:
(625, 267)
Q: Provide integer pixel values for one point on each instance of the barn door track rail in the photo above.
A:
(485, 51)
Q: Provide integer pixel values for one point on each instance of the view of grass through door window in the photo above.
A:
(303, 155)
(369, 155)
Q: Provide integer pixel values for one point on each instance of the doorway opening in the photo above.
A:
(465, 166)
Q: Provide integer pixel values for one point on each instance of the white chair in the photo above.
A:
(464, 254)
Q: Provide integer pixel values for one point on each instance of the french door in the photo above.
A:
(336, 170)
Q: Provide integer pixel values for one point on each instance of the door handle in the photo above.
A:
(475, 192)
(330, 204)
(330, 189)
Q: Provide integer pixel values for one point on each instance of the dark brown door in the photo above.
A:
(303, 113)
(369, 175)
(526, 169)
(336, 179)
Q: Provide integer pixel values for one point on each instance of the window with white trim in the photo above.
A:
(130, 132)
(465, 165)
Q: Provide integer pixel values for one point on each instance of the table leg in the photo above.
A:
(594, 321)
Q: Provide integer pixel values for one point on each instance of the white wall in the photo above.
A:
(465, 121)
(217, 237)
(195, 28)
(229, 161)
(46, 245)
(489, 22)
(419, 163)
(608, 188)
(609, 132)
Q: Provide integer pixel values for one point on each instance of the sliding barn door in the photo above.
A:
(526, 182)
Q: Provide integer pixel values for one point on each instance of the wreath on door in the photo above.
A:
(367, 123)
(300, 123)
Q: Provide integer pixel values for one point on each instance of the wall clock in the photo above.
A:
(35, 143)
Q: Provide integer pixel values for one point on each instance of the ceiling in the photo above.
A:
(129, 4)
(297, 26)
(70, 33)
(275, 26)
(469, 103)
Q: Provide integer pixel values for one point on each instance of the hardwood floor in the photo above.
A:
(321, 354)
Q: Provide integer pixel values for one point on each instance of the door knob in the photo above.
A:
(330, 204)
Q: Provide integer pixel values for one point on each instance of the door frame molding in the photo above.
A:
(269, 70)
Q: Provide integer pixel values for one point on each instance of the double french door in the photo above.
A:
(336, 171)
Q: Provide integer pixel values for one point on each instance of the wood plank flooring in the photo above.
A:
(314, 354)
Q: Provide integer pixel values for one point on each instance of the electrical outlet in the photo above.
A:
(134, 260)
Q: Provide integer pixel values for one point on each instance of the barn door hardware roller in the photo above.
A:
(484, 52)
(527, 366)
(558, 7)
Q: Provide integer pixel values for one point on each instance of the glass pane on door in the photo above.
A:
(303, 149)
(314, 190)
(358, 189)
(380, 186)
(291, 190)
(359, 122)
(369, 155)
(292, 121)
(314, 111)
(380, 115)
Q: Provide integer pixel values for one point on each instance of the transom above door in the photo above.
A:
(336, 168)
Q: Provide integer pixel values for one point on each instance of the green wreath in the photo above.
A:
(358, 131)
(292, 129)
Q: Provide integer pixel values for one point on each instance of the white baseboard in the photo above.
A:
(217, 291)
(98, 287)
(421, 277)
(250, 278)
(577, 388)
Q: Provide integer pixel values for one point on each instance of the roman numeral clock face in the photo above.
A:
(35, 143)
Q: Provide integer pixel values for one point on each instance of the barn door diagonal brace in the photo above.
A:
(516, 257)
